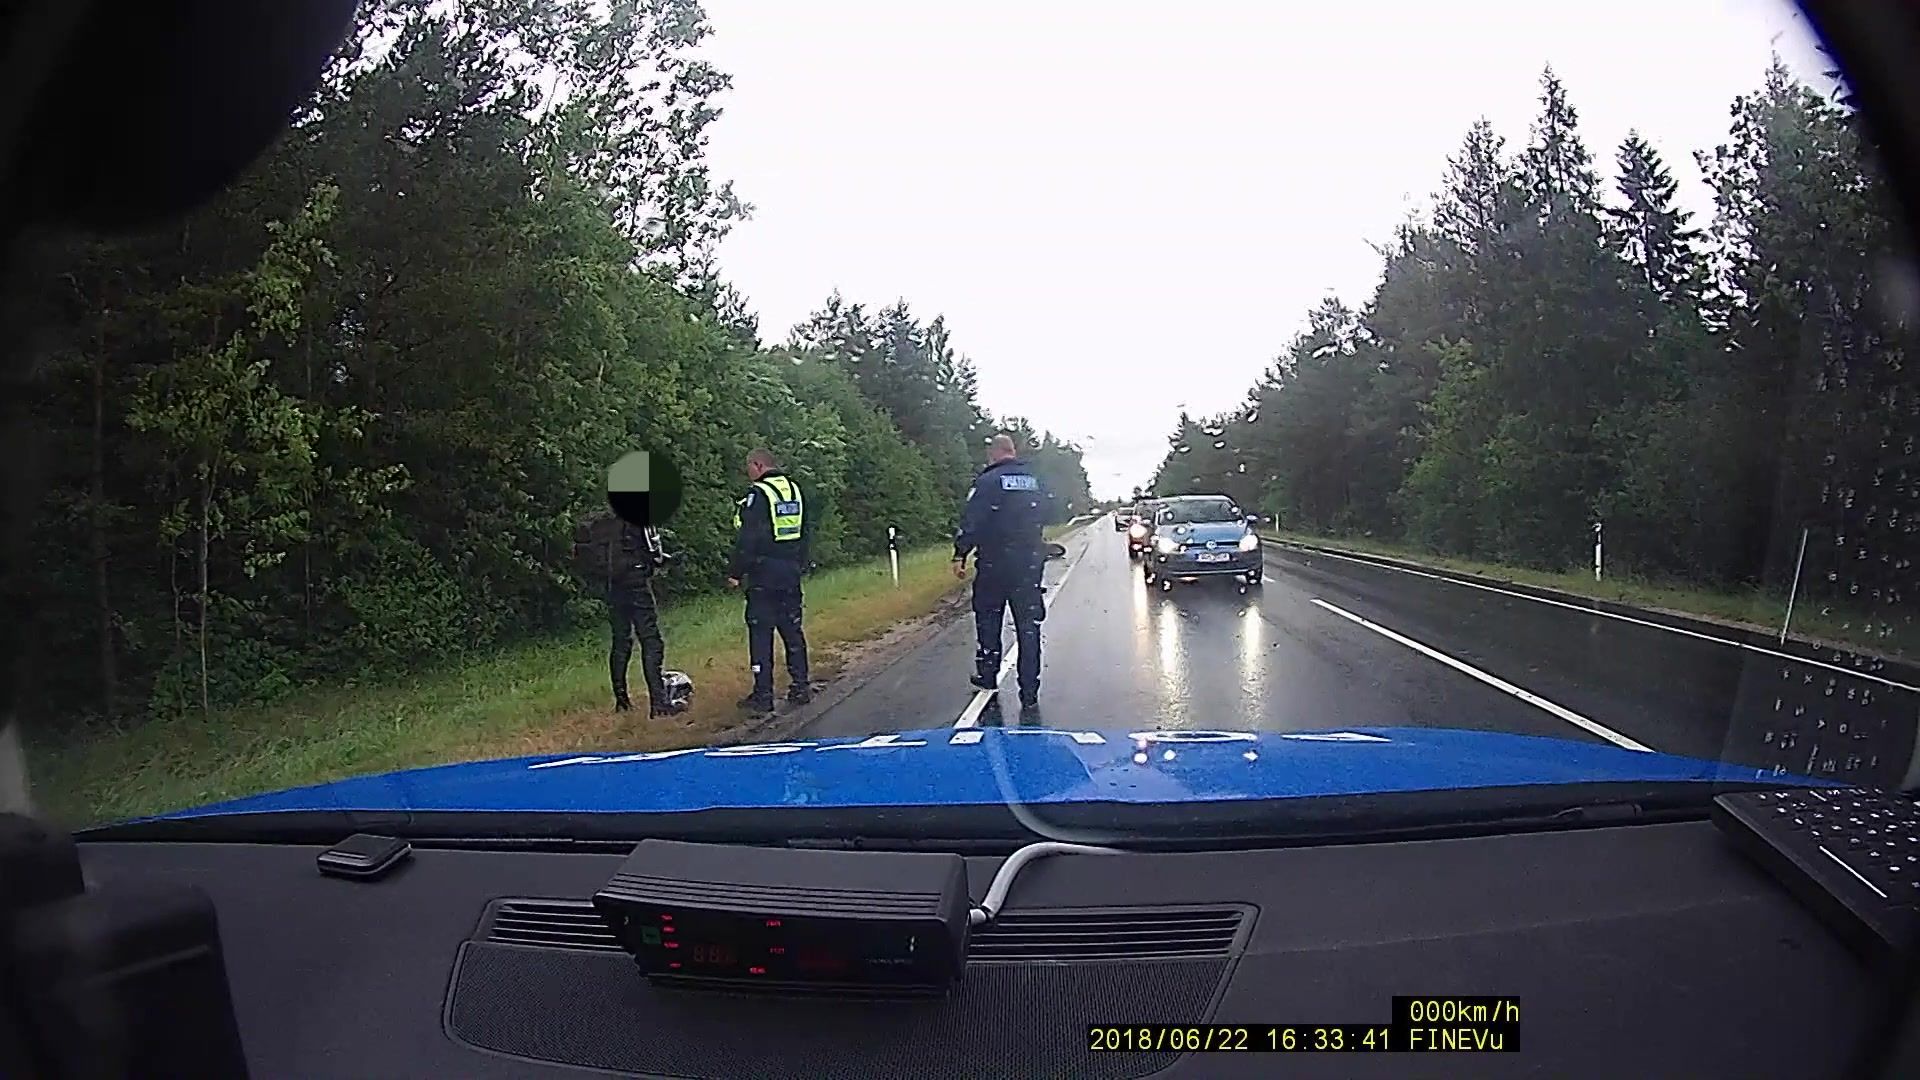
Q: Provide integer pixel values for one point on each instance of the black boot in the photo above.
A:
(799, 694)
(671, 708)
(756, 703)
(621, 702)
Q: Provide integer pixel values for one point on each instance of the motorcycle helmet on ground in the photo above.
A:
(679, 689)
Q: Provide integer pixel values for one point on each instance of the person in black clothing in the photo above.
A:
(770, 550)
(632, 554)
(1001, 527)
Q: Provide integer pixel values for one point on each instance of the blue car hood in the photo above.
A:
(1228, 532)
(973, 766)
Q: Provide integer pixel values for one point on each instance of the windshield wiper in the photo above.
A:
(1609, 812)
(965, 845)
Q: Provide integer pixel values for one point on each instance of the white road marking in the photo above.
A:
(1571, 717)
(970, 716)
(1612, 615)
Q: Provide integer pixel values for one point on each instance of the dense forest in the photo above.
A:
(341, 422)
(1544, 354)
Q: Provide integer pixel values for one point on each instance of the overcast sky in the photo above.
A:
(1124, 208)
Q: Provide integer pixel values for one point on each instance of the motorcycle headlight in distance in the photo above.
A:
(1250, 542)
(1166, 545)
(1137, 531)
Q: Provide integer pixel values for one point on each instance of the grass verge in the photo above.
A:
(1892, 635)
(545, 697)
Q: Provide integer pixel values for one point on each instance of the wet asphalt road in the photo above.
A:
(1331, 642)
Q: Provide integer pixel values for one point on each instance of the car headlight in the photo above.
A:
(1250, 542)
(1166, 545)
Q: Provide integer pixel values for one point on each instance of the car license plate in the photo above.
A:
(1211, 556)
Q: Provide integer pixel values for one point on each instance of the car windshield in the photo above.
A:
(593, 408)
(1198, 511)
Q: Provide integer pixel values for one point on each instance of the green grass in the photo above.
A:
(1897, 638)
(535, 698)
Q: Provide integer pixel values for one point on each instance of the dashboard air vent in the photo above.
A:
(554, 923)
(1107, 934)
(1034, 934)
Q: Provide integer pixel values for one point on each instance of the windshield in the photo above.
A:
(711, 403)
(1197, 511)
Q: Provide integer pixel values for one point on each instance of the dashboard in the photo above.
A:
(1650, 950)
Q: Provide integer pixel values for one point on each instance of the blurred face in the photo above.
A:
(755, 470)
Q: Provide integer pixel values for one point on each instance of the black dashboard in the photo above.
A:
(1649, 950)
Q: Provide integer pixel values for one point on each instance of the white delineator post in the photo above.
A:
(1794, 592)
(1596, 551)
(893, 553)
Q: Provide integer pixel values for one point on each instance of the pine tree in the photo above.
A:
(1556, 168)
(1651, 231)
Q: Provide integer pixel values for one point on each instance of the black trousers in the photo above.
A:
(774, 604)
(634, 616)
(996, 590)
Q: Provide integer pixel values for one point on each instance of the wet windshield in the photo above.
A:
(724, 403)
(1198, 511)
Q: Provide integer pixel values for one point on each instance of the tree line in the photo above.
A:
(1541, 355)
(342, 421)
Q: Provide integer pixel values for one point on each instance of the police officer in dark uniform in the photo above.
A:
(769, 555)
(1001, 528)
(633, 553)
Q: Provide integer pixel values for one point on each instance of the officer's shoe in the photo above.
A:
(984, 681)
(756, 703)
(670, 708)
(800, 695)
(621, 702)
(1029, 700)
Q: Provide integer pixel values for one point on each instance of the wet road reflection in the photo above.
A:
(1120, 656)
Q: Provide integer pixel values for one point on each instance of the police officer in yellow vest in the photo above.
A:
(769, 555)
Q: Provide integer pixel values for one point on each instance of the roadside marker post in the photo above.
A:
(1596, 551)
(893, 553)
(1794, 592)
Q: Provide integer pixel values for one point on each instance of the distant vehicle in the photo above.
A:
(1202, 536)
(1139, 530)
(1121, 519)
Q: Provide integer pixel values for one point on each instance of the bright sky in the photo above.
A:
(1127, 208)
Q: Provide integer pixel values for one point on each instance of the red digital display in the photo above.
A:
(770, 949)
(814, 960)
